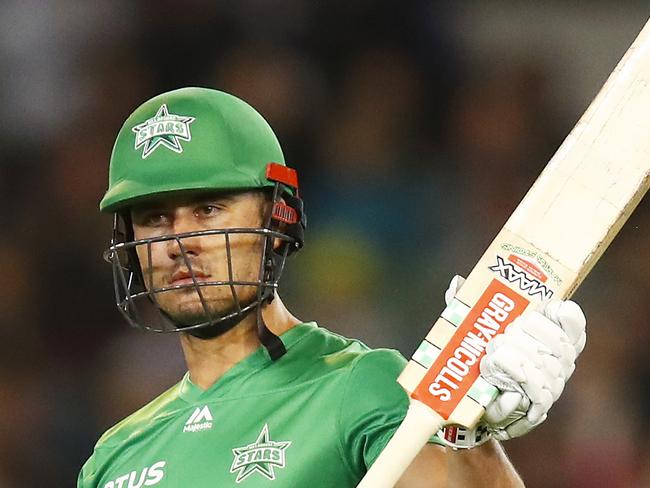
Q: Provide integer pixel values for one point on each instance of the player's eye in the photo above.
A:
(207, 210)
(154, 219)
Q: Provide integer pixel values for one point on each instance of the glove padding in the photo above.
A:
(530, 363)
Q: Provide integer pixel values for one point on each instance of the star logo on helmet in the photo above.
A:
(163, 130)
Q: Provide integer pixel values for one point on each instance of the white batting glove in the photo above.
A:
(529, 363)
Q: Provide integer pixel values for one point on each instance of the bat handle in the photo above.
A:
(416, 429)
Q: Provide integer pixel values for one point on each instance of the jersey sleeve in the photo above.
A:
(372, 408)
(86, 475)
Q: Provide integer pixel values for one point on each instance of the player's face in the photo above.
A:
(207, 255)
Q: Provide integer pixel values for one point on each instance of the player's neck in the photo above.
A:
(209, 359)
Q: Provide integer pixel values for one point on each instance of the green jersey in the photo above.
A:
(317, 417)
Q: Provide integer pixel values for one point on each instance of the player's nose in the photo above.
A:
(180, 246)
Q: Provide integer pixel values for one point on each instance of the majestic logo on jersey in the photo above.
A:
(151, 475)
(260, 457)
(163, 129)
(201, 419)
(530, 285)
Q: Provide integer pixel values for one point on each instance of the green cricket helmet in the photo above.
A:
(199, 140)
(190, 139)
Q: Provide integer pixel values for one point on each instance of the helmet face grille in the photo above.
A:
(141, 300)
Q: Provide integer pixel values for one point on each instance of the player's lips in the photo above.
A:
(185, 277)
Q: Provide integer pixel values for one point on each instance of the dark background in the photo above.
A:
(416, 126)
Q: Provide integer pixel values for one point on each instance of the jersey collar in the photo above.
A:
(238, 374)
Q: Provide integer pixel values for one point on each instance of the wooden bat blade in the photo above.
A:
(546, 248)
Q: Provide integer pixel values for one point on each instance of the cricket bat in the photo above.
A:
(546, 248)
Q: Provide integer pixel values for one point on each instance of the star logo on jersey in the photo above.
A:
(261, 457)
(163, 130)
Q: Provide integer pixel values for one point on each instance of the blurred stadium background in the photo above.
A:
(416, 125)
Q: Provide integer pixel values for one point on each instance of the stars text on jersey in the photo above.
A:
(261, 457)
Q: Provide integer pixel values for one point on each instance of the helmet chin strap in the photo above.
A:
(210, 331)
(271, 342)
